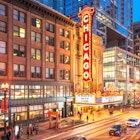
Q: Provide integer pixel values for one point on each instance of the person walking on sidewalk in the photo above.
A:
(9, 134)
(28, 132)
(87, 118)
(36, 128)
(93, 115)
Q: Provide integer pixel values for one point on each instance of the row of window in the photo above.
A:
(19, 50)
(20, 16)
(17, 47)
(20, 71)
(120, 58)
(120, 74)
(37, 91)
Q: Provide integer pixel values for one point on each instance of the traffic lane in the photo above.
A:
(93, 128)
(97, 128)
(86, 129)
(132, 134)
(101, 127)
(101, 130)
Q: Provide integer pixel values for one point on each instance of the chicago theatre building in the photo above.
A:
(90, 93)
(36, 60)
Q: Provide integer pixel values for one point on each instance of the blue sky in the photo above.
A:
(136, 10)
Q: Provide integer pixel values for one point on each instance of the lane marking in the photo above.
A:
(125, 137)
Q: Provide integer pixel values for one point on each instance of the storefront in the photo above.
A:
(31, 102)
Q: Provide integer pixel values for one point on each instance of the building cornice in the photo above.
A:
(41, 10)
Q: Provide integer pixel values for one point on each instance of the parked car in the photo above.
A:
(117, 129)
(78, 137)
(133, 122)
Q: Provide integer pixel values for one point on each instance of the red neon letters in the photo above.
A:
(86, 47)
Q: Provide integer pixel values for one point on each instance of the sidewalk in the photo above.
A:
(47, 132)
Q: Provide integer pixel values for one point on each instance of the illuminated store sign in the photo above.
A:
(86, 47)
(85, 98)
(110, 99)
(86, 20)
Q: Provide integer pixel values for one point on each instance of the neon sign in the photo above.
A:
(86, 18)
(86, 47)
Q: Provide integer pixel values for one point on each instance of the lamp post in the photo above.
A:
(5, 87)
(134, 92)
(134, 96)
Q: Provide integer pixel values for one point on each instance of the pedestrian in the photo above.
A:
(12, 133)
(16, 131)
(20, 132)
(33, 129)
(93, 116)
(36, 128)
(8, 135)
(80, 116)
(87, 118)
(28, 132)
(18, 135)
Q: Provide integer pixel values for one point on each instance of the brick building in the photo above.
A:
(35, 60)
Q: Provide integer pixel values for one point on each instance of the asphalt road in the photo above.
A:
(99, 130)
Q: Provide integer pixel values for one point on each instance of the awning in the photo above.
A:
(108, 103)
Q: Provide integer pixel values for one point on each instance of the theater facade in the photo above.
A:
(90, 93)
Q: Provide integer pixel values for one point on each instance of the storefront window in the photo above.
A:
(67, 91)
(48, 106)
(122, 86)
(47, 91)
(35, 91)
(60, 91)
(36, 111)
(18, 113)
(26, 92)
(17, 92)
(1, 120)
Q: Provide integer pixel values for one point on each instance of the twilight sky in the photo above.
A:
(136, 10)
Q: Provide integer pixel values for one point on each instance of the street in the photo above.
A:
(99, 130)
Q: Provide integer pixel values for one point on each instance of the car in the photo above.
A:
(117, 129)
(133, 122)
(78, 137)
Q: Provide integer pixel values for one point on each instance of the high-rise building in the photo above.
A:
(112, 20)
(136, 29)
(58, 5)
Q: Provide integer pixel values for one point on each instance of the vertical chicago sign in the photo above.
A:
(86, 16)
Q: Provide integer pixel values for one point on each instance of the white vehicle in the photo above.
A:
(133, 122)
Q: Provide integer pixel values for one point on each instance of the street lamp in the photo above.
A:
(5, 87)
(134, 90)
(134, 96)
